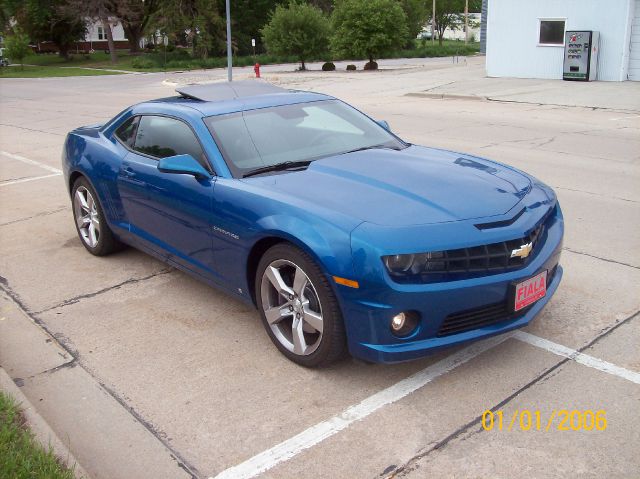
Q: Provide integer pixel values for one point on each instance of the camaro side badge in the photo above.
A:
(523, 251)
(225, 232)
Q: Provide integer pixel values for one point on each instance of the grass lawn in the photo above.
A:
(48, 71)
(21, 457)
(93, 60)
(180, 59)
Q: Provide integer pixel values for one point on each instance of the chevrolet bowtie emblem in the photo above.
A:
(523, 251)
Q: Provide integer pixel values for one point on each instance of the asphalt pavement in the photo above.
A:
(141, 371)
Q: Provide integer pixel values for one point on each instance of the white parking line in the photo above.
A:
(31, 162)
(315, 434)
(24, 180)
(578, 357)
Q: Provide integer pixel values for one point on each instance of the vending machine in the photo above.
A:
(580, 55)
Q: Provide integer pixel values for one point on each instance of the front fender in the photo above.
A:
(329, 245)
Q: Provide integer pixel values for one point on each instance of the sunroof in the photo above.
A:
(228, 90)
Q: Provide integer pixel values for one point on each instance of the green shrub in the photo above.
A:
(297, 29)
(142, 63)
(17, 47)
(370, 66)
(351, 68)
(368, 28)
(328, 67)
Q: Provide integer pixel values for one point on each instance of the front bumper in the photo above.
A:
(368, 310)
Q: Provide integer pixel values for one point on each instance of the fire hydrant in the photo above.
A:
(256, 69)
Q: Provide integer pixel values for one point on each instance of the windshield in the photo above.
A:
(294, 133)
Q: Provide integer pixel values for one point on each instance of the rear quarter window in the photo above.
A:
(126, 133)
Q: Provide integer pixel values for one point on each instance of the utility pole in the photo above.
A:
(466, 22)
(433, 22)
(229, 60)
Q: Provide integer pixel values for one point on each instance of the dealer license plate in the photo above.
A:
(530, 291)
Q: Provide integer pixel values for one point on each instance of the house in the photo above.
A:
(525, 39)
(457, 33)
(95, 39)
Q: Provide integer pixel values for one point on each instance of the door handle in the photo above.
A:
(128, 172)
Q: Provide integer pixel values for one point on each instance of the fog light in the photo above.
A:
(397, 322)
(404, 323)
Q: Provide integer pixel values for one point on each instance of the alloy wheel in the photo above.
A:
(292, 307)
(86, 214)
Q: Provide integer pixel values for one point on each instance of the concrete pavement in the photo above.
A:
(150, 373)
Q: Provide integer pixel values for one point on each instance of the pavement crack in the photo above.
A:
(32, 129)
(410, 465)
(600, 258)
(76, 299)
(38, 215)
(72, 363)
(594, 194)
(546, 142)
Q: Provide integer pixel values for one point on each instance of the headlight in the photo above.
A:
(399, 264)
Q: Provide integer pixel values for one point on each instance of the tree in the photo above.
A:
(368, 28)
(248, 17)
(297, 29)
(136, 16)
(416, 13)
(47, 20)
(449, 14)
(326, 5)
(192, 20)
(17, 47)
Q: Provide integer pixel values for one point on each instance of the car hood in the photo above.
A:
(416, 185)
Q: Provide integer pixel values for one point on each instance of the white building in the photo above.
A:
(96, 31)
(458, 33)
(525, 39)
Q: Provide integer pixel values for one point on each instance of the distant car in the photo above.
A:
(4, 61)
(424, 35)
(343, 235)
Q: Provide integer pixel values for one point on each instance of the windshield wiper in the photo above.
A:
(287, 165)
(373, 147)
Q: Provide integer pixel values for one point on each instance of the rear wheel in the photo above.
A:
(92, 228)
(298, 308)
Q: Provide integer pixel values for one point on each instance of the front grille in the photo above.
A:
(484, 315)
(477, 318)
(486, 258)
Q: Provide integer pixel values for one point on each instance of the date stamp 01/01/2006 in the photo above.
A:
(558, 420)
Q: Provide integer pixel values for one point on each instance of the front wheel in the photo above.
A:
(298, 308)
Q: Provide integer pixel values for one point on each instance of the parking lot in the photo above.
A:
(144, 372)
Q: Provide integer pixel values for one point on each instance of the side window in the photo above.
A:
(160, 137)
(126, 132)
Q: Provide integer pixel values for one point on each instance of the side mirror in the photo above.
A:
(183, 164)
(384, 124)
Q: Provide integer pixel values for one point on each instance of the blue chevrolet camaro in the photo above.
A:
(344, 236)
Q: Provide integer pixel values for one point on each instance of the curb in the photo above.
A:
(448, 96)
(39, 427)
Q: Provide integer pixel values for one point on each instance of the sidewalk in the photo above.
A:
(446, 78)
(71, 410)
(473, 82)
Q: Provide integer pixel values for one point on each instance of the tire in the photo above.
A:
(91, 225)
(294, 312)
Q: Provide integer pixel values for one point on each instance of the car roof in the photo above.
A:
(230, 97)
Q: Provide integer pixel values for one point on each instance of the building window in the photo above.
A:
(101, 33)
(551, 32)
